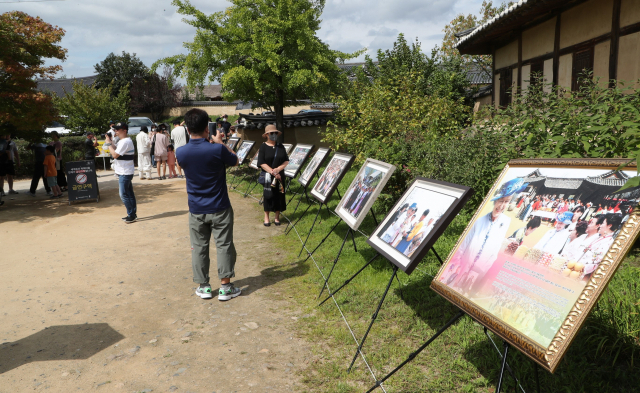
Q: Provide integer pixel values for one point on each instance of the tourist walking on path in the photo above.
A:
(171, 162)
(90, 147)
(57, 145)
(272, 159)
(123, 165)
(51, 172)
(144, 153)
(161, 142)
(210, 211)
(7, 168)
(38, 168)
(180, 137)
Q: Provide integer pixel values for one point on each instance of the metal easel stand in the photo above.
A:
(505, 366)
(309, 202)
(335, 261)
(252, 185)
(312, 225)
(373, 317)
(235, 177)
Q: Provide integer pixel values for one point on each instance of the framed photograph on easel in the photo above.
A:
(254, 161)
(417, 220)
(233, 142)
(244, 150)
(315, 163)
(541, 249)
(332, 175)
(364, 191)
(297, 159)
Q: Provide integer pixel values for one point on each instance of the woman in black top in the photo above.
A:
(272, 159)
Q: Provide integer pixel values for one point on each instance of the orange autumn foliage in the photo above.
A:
(26, 43)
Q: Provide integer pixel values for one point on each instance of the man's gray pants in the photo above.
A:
(201, 228)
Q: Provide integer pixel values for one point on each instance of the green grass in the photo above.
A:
(602, 358)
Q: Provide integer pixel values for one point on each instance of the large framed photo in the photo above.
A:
(233, 142)
(244, 150)
(540, 250)
(297, 159)
(331, 177)
(417, 220)
(315, 163)
(364, 191)
(254, 161)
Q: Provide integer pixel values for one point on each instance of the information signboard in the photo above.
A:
(82, 181)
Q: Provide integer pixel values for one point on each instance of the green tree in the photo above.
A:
(90, 108)
(26, 42)
(265, 51)
(121, 70)
(155, 94)
(464, 22)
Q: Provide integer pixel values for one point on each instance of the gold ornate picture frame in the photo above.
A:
(533, 287)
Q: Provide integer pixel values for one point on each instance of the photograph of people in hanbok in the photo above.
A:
(363, 191)
(414, 219)
(536, 243)
(244, 150)
(313, 166)
(332, 173)
(296, 159)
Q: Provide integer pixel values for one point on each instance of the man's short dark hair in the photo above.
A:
(614, 220)
(175, 122)
(197, 121)
(534, 223)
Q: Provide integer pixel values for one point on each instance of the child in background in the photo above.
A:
(171, 160)
(50, 171)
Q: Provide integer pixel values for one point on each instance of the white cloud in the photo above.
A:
(152, 29)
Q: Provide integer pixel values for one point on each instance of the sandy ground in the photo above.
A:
(92, 304)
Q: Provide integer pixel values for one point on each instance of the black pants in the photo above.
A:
(38, 172)
(62, 178)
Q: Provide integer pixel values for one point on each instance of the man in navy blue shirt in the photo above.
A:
(210, 211)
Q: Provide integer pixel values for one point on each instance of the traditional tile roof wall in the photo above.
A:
(308, 119)
(59, 86)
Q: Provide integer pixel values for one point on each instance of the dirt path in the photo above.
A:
(92, 304)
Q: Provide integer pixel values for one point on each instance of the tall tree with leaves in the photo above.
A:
(25, 43)
(90, 108)
(121, 70)
(265, 51)
(155, 93)
(464, 22)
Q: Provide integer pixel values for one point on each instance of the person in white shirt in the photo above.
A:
(144, 153)
(598, 249)
(180, 138)
(573, 250)
(480, 247)
(124, 167)
(554, 240)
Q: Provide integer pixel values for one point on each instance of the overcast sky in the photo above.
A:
(152, 29)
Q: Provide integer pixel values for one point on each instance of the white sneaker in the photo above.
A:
(228, 293)
(13, 192)
(50, 193)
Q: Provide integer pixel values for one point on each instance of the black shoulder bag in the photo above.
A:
(262, 178)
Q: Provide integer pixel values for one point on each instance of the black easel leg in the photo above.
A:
(535, 365)
(298, 220)
(414, 354)
(353, 239)
(322, 241)
(509, 369)
(310, 230)
(349, 280)
(437, 256)
(338, 191)
(375, 220)
(373, 317)
(504, 365)
(335, 261)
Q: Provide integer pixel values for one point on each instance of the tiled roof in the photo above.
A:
(502, 28)
(59, 86)
(307, 119)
